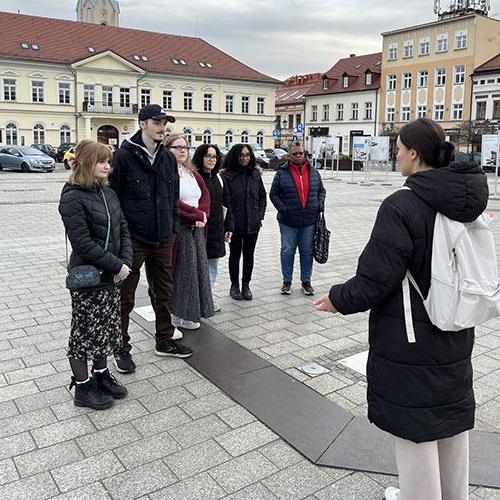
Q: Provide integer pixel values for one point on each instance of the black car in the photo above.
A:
(46, 148)
(62, 149)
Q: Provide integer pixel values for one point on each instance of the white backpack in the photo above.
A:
(465, 289)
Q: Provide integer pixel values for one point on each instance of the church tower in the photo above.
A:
(98, 12)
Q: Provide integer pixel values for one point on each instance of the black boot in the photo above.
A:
(246, 292)
(90, 395)
(235, 293)
(109, 385)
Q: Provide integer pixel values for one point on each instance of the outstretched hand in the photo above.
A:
(324, 304)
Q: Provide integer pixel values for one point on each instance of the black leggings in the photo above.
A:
(246, 243)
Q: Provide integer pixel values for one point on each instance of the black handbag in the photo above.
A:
(86, 276)
(321, 240)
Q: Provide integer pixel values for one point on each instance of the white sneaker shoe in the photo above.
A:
(177, 334)
(189, 325)
(391, 493)
(176, 321)
(217, 307)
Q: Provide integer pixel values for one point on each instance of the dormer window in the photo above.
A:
(145, 58)
(182, 62)
(35, 46)
(175, 61)
(91, 50)
(25, 45)
(368, 78)
(202, 64)
(325, 83)
(345, 81)
(209, 65)
(136, 57)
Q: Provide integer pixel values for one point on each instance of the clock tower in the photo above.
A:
(98, 12)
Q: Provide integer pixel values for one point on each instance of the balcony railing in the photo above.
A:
(114, 108)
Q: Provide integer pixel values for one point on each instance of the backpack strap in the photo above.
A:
(410, 331)
(220, 180)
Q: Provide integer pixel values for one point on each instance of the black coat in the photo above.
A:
(285, 198)
(420, 391)
(86, 223)
(217, 225)
(148, 193)
(248, 198)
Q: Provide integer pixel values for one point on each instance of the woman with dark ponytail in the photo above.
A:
(421, 393)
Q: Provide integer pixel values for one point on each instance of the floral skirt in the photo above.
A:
(95, 323)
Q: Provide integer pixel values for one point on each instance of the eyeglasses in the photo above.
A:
(245, 155)
(210, 157)
(298, 153)
(179, 148)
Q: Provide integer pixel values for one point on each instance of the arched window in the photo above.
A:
(39, 134)
(228, 138)
(260, 138)
(11, 134)
(207, 137)
(64, 134)
(244, 137)
(188, 134)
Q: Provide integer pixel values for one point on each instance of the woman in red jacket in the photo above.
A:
(192, 298)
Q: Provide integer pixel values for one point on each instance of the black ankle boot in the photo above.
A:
(109, 385)
(90, 395)
(235, 293)
(246, 292)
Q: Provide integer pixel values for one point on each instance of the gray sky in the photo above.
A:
(277, 37)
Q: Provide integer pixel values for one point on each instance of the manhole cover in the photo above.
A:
(313, 369)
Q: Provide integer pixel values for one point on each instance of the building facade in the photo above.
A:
(486, 91)
(63, 81)
(106, 12)
(290, 108)
(426, 69)
(344, 102)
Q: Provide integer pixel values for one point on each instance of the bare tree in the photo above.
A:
(471, 131)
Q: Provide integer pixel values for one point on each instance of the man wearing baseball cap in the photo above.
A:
(144, 176)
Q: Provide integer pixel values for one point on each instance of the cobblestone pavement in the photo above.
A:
(177, 435)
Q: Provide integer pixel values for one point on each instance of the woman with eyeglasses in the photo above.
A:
(248, 206)
(207, 159)
(192, 297)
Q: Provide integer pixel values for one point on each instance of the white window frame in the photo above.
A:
(167, 98)
(207, 136)
(145, 97)
(208, 103)
(408, 49)
(440, 78)
(391, 82)
(424, 43)
(368, 78)
(340, 111)
(107, 96)
(314, 113)
(228, 138)
(406, 81)
(438, 112)
(261, 104)
(354, 111)
(442, 43)
(423, 79)
(245, 104)
(37, 91)
(460, 40)
(64, 89)
(124, 97)
(392, 52)
(345, 81)
(390, 113)
(11, 134)
(9, 89)
(405, 114)
(229, 103)
(326, 113)
(368, 110)
(64, 134)
(458, 111)
(245, 137)
(39, 133)
(459, 74)
(89, 94)
(187, 100)
(259, 138)
(421, 111)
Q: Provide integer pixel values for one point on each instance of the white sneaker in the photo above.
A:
(177, 334)
(391, 493)
(176, 321)
(217, 307)
(189, 325)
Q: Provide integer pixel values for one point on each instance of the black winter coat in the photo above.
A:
(285, 198)
(421, 391)
(217, 225)
(248, 198)
(86, 223)
(148, 193)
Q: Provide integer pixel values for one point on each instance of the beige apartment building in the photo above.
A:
(63, 81)
(427, 69)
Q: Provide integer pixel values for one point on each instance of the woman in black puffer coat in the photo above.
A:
(99, 236)
(420, 392)
(207, 159)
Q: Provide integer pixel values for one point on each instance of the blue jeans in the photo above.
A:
(291, 238)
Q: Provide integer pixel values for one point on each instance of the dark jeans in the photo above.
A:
(245, 243)
(291, 238)
(158, 263)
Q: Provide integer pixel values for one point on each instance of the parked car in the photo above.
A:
(47, 149)
(70, 153)
(276, 153)
(62, 149)
(25, 159)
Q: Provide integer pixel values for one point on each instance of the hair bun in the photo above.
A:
(446, 154)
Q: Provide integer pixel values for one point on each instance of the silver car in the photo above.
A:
(25, 159)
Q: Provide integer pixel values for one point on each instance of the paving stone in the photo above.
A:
(199, 430)
(199, 458)
(140, 481)
(325, 384)
(10, 365)
(201, 388)
(206, 405)
(310, 340)
(201, 487)
(108, 439)
(36, 487)
(280, 348)
(86, 471)
(246, 438)
(123, 412)
(236, 416)
(165, 399)
(281, 454)
(42, 399)
(63, 431)
(45, 357)
(158, 422)
(174, 379)
(45, 459)
(352, 487)
(26, 422)
(16, 445)
(8, 472)
(94, 491)
(147, 450)
(66, 410)
(8, 409)
(254, 491)
(60, 379)
(140, 389)
(243, 471)
(297, 481)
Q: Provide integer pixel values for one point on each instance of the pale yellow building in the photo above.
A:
(427, 69)
(63, 81)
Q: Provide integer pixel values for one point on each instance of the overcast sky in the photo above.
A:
(277, 37)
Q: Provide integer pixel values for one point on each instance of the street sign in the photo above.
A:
(294, 130)
(300, 128)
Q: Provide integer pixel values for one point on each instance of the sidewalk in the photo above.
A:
(177, 435)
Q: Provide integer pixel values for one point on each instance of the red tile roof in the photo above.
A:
(355, 67)
(65, 42)
(491, 65)
(295, 88)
